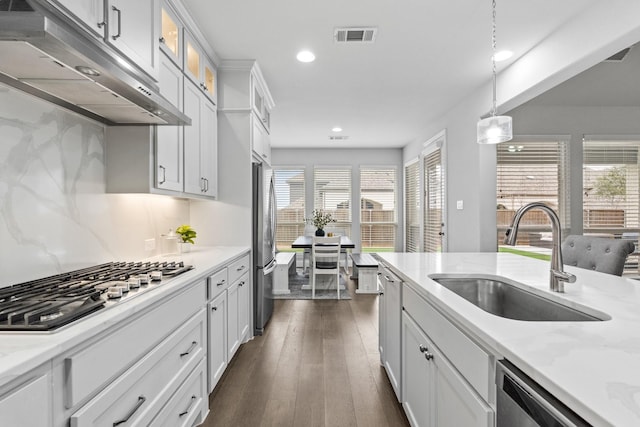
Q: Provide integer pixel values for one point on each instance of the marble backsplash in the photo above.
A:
(54, 213)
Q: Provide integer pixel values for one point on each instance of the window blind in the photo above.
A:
(332, 193)
(290, 190)
(610, 186)
(412, 206)
(433, 201)
(532, 171)
(377, 208)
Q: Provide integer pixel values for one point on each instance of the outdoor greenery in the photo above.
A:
(525, 253)
(612, 184)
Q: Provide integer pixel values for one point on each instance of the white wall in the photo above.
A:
(598, 32)
(355, 158)
(54, 213)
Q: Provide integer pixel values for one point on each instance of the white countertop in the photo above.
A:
(593, 367)
(21, 352)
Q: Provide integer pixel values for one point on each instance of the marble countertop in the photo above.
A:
(593, 367)
(21, 352)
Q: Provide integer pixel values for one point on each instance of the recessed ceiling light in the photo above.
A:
(305, 56)
(336, 129)
(503, 55)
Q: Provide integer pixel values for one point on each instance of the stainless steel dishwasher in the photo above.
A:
(522, 402)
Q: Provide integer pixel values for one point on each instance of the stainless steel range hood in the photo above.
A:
(43, 53)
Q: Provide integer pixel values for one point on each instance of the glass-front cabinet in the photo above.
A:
(198, 67)
(171, 30)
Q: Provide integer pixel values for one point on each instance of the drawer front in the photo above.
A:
(239, 267)
(30, 405)
(469, 359)
(189, 406)
(217, 282)
(133, 338)
(137, 395)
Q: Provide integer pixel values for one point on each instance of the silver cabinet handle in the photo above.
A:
(241, 283)
(206, 185)
(201, 185)
(422, 348)
(380, 293)
(193, 345)
(388, 279)
(141, 400)
(214, 308)
(186, 411)
(428, 356)
(164, 174)
(101, 24)
(119, 12)
(242, 267)
(162, 40)
(222, 282)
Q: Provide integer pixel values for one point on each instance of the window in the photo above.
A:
(289, 186)
(412, 206)
(532, 171)
(378, 209)
(332, 193)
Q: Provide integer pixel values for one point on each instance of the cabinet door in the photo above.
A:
(133, 29)
(209, 148)
(171, 34)
(417, 375)
(192, 59)
(233, 339)
(243, 308)
(89, 12)
(381, 320)
(455, 402)
(169, 139)
(217, 339)
(393, 329)
(209, 80)
(192, 134)
(30, 405)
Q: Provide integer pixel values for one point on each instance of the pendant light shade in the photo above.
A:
(494, 129)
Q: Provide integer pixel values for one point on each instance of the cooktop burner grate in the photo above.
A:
(48, 303)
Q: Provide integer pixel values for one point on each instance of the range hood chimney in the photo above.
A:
(45, 54)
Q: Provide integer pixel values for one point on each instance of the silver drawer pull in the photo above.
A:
(428, 356)
(242, 267)
(214, 308)
(141, 400)
(241, 283)
(388, 279)
(119, 12)
(422, 348)
(220, 283)
(193, 399)
(193, 345)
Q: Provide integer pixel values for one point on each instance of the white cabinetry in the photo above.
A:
(445, 376)
(199, 68)
(171, 33)
(200, 143)
(28, 404)
(238, 303)
(391, 316)
(131, 27)
(260, 140)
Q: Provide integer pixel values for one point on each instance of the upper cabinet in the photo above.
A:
(171, 34)
(199, 68)
(261, 106)
(130, 27)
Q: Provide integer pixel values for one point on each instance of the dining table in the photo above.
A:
(306, 242)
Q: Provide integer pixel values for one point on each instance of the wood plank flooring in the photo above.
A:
(316, 365)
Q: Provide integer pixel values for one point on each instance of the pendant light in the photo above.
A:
(494, 129)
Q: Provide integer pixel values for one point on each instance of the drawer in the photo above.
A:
(473, 363)
(189, 406)
(217, 282)
(239, 267)
(141, 392)
(132, 339)
(29, 405)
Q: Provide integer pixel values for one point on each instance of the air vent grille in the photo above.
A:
(338, 137)
(355, 35)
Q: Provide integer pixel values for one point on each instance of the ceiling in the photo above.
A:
(427, 56)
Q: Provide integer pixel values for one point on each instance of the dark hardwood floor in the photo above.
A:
(316, 365)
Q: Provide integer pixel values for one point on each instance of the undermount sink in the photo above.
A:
(506, 300)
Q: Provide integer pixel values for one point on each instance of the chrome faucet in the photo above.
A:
(557, 274)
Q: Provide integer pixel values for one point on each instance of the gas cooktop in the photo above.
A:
(49, 303)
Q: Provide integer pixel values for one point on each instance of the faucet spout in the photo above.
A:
(557, 275)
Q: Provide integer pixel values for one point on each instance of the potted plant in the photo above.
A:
(319, 219)
(187, 234)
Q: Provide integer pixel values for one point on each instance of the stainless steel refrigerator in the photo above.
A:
(264, 245)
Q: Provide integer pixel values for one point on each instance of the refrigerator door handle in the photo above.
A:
(268, 269)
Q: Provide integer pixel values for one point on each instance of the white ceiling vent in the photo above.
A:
(355, 34)
(338, 137)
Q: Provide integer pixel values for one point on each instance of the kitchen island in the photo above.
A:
(592, 367)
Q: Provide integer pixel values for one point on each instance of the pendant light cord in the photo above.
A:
(493, 56)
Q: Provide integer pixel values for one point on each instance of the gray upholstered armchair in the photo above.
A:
(597, 253)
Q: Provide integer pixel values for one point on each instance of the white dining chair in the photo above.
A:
(325, 260)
